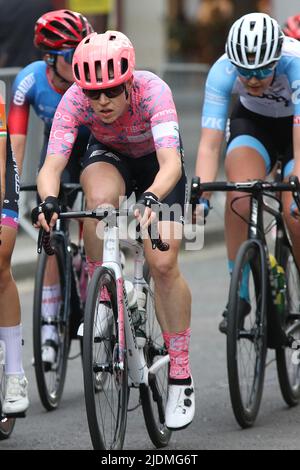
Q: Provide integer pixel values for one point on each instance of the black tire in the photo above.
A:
(154, 396)
(50, 381)
(288, 369)
(251, 332)
(106, 408)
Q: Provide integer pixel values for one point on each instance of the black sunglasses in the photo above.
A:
(109, 92)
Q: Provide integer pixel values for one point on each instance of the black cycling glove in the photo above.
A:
(48, 208)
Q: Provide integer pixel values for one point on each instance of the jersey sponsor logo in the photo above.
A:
(213, 122)
(139, 128)
(296, 93)
(165, 112)
(62, 135)
(271, 97)
(23, 88)
(63, 117)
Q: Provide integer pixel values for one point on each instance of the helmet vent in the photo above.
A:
(73, 25)
(98, 71)
(76, 72)
(110, 67)
(124, 65)
(112, 37)
(49, 34)
(87, 74)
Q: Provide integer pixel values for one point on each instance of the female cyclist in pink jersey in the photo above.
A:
(135, 146)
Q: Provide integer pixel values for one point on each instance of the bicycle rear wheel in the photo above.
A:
(51, 378)
(105, 379)
(154, 396)
(288, 368)
(247, 336)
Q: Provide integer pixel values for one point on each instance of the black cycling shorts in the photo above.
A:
(138, 174)
(276, 134)
(10, 208)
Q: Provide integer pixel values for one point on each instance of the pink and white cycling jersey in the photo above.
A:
(150, 123)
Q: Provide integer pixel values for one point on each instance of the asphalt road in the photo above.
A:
(214, 426)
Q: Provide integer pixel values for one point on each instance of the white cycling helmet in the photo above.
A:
(254, 40)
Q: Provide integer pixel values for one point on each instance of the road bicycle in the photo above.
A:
(118, 354)
(61, 263)
(250, 334)
(7, 423)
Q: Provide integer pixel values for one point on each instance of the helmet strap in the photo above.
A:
(56, 71)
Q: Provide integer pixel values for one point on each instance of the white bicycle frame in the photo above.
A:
(138, 371)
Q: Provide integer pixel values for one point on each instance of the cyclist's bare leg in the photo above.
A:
(98, 188)
(172, 295)
(241, 164)
(9, 299)
(293, 225)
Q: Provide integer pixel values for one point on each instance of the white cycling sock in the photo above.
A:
(12, 337)
(51, 300)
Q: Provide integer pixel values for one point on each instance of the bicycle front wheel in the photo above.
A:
(247, 334)
(50, 377)
(288, 365)
(105, 379)
(154, 396)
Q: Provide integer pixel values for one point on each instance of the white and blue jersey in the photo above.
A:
(281, 98)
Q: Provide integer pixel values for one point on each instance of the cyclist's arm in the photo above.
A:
(48, 180)
(209, 150)
(18, 143)
(169, 172)
(18, 118)
(218, 89)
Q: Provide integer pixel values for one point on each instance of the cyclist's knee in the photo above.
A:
(164, 269)
(96, 199)
(240, 205)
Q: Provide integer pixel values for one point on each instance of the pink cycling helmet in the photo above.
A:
(103, 60)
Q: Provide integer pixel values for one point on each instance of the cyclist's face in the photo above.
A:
(64, 69)
(110, 109)
(254, 86)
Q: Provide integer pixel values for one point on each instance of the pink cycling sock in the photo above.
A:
(178, 349)
(92, 266)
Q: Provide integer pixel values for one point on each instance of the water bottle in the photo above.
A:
(280, 285)
(136, 303)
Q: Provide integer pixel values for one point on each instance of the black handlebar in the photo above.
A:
(252, 187)
(99, 214)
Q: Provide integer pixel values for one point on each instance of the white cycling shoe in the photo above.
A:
(103, 322)
(16, 395)
(180, 409)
